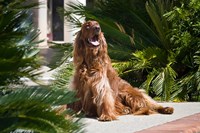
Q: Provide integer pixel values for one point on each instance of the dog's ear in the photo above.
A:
(78, 50)
(103, 43)
(103, 50)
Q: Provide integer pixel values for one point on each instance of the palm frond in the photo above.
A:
(62, 54)
(164, 82)
(122, 67)
(156, 9)
(63, 76)
(147, 85)
(197, 74)
(46, 96)
(18, 49)
(149, 57)
(140, 61)
(128, 14)
(31, 109)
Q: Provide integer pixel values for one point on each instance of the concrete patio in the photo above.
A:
(147, 124)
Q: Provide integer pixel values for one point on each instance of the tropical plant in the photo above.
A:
(63, 74)
(157, 61)
(170, 72)
(32, 109)
(62, 54)
(18, 52)
(24, 109)
(185, 35)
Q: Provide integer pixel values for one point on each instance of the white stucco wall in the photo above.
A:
(42, 23)
(68, 32)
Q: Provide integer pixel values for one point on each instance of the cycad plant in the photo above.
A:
(177, 76)
(185, 35)
(158, 61)
(169, 72)
(18, 52)
(22, 108)
(32, 109)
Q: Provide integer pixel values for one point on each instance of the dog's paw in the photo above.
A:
(104, 117)
(127, 110)
(168, 110)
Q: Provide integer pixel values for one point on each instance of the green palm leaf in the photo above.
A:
(47, 96)
(156, 10)
(150, 77)
(164, 82)
(31, 109)
(18, 48)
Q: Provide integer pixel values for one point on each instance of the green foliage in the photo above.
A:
(158, 65)
(63, 76)
(155, 61)
(126, 15)
(18, 52)
(156, 9)
(171, 72)
(185, 35)
(62, 54)
(63, 66)
(34, 109)
(31, 109)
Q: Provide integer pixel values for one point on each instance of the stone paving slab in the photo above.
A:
(131, 123)
(189, 124)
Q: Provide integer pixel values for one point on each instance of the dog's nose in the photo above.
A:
(97, 28)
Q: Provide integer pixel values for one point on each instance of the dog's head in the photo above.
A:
(91, 32)
(89, 42)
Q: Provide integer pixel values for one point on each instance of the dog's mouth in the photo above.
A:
(94, 40)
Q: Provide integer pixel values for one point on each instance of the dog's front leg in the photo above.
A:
(104, 100)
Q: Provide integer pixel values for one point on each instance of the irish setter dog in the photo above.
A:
(101, 92)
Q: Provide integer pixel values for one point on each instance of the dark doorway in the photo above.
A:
(90, 3)
(57, 21)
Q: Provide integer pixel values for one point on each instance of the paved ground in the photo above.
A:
(189, 124)
(130, 123)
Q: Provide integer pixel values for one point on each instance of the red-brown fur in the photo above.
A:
(101, 91)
